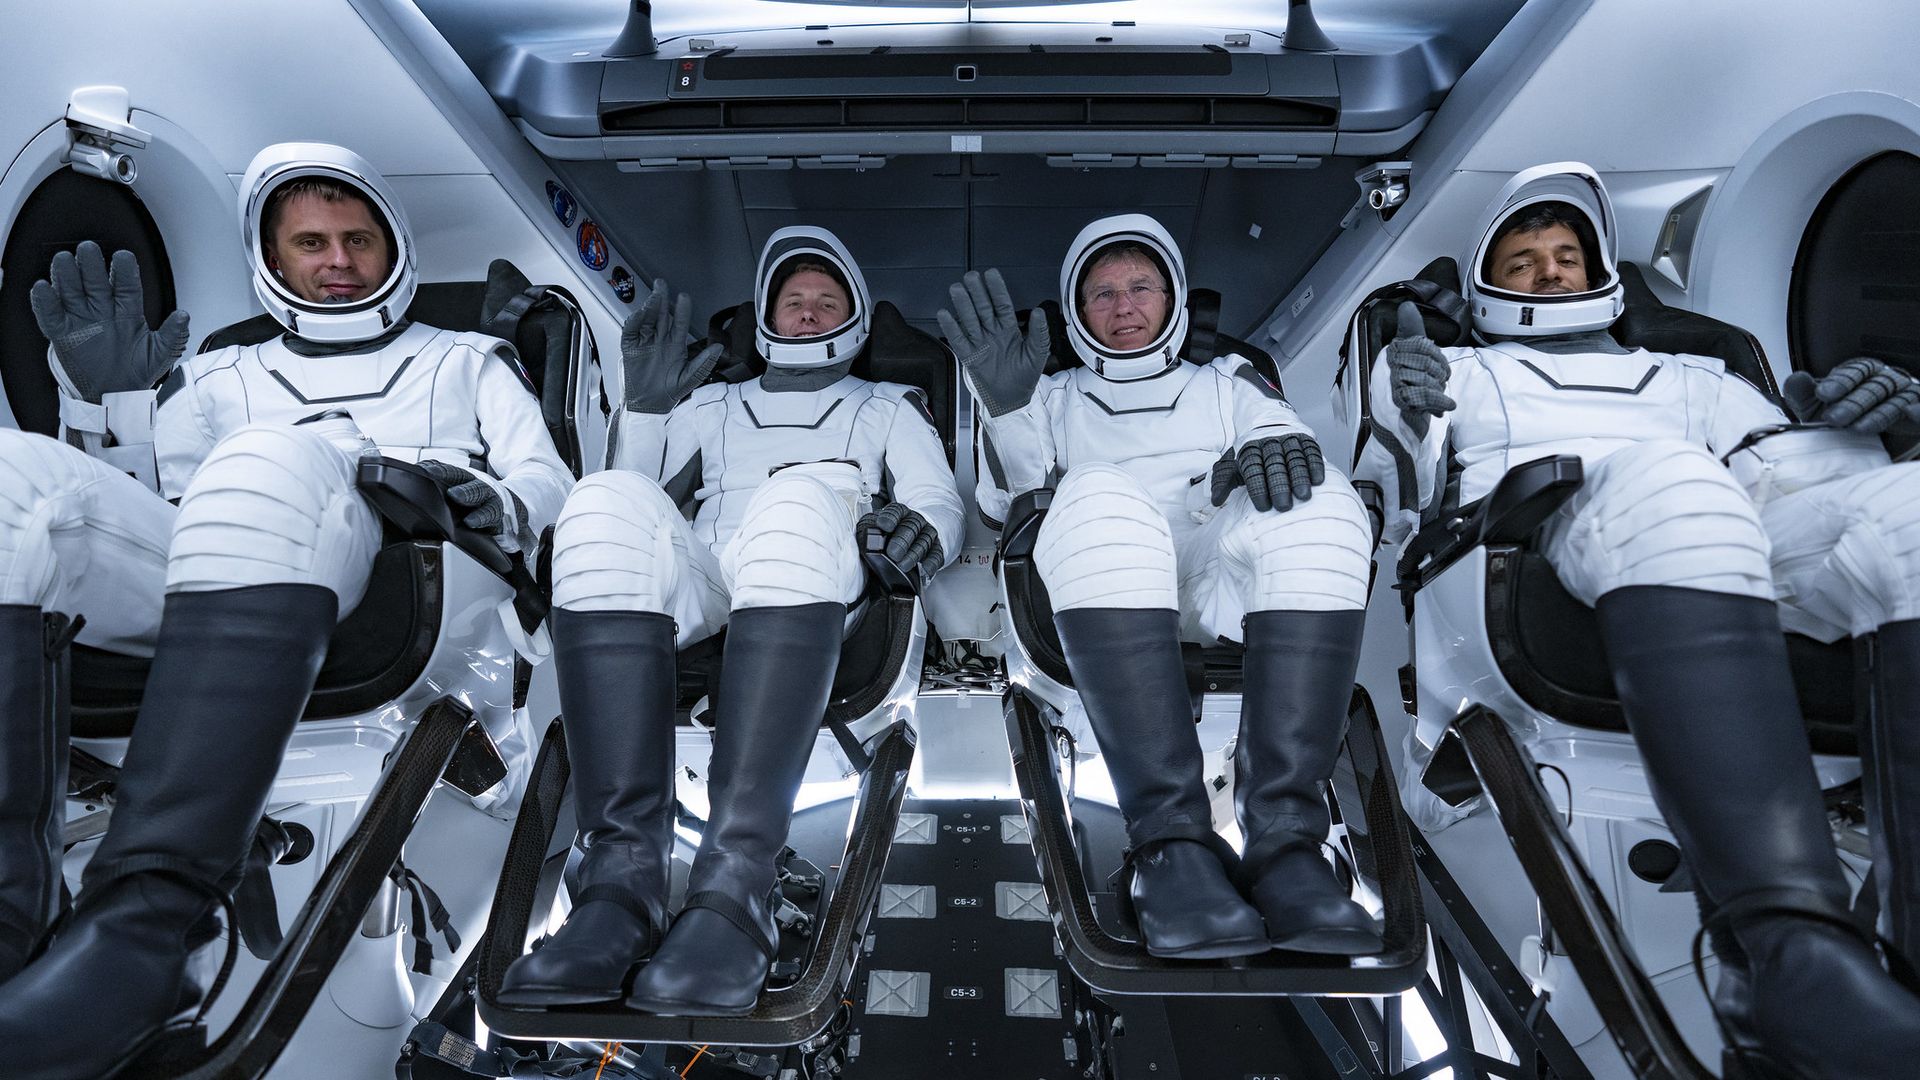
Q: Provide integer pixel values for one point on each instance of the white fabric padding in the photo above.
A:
(82, 538)
(1661, 512)
(1846, 553)
(1312, 557)
(796, 542)
(1105, 544)
(622, 545)
(275, 505)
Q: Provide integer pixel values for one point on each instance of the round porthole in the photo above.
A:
(1856, 276)
(65, 209)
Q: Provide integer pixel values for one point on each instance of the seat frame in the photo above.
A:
(379, 736)
(1378, 837)
(1479, 584)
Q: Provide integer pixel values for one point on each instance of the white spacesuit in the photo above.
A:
(786, 471)
(235, 593)
(1684, 559)
(1147, 543)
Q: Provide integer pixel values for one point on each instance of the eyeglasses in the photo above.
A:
(1102, 299)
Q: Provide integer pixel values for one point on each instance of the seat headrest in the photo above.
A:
(1204, 343)
(1649, 323)
(893, 351)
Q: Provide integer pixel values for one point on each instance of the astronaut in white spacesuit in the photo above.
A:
(787, 472)
(1694, 569)
(1190, 504)
(235, 592)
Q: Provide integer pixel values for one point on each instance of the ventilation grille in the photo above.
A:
(997, 111)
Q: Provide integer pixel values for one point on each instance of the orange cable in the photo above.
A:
(691, 1060)
(612, 1048)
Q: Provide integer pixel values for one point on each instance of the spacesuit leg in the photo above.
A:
(1846, 555)
(1671, 552)
(1106, 554)
(271, 542)
(626, 568)
(76, 536)
(793, 568)
(1301, 578)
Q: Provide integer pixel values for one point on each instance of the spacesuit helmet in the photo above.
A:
(1566, 192)
(361, 319)
(800, 247)
(1141, 234)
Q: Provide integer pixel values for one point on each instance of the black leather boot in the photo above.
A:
(1703, 679)
(33, 776)
(1299, 669)
(616, 674)
(775, 677)
(1890, 747)
(230, 677)
(1126, 665)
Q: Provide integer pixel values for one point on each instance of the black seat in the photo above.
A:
(1210, 668)
(1543, 639)
(1376, 827)
(895, 352)
(875, 654)
(382, 646)
(877, 643)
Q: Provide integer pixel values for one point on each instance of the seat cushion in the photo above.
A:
(1547, 645)
(871, 658)
(375, 653)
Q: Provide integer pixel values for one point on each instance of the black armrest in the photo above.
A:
(1023, 524)
(414, 503)
(1507, 515)
(892, 579)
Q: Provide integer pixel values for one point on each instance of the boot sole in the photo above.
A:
(535, 996)
(1331, 942)
(690, 1008)
(1213, 950)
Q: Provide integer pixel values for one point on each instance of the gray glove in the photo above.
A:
(1276, 471)
(653, 354)
(1862, 394)
(1419, 371)
(911, 540)
(484, 512)
(97, 323)
(1003, 366)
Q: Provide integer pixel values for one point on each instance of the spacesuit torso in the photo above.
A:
(426, 394)
(1166, 431)
(716, 447)
(1518, 403)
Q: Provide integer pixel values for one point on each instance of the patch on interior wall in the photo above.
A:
(622, 283)
(592, 245)
(562, 202)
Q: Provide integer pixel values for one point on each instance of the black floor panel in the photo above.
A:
(966, 949)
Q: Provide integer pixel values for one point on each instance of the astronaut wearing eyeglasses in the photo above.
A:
(1190, 504)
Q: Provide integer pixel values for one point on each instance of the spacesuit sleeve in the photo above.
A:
(1019, 453)
(657, 447)
(519, 450)
(1738, 409)
(1405, 467)
(182, 434)
(918, 473)
(1258, 408)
